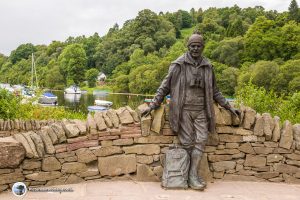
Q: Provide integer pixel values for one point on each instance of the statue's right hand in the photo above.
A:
(146, 112)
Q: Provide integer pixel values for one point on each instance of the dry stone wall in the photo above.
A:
(116, 144)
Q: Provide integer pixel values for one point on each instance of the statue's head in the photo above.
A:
(195, 45)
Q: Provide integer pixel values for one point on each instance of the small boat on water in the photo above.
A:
(97, 108)
(103, 103)
(73, 89)
(48, 98)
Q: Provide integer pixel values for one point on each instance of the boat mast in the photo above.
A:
(33, 73)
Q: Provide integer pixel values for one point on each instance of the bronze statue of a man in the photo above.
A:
(192, 86)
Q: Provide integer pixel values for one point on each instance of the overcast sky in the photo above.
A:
(42, 21)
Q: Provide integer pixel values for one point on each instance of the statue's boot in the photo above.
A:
(194, 181)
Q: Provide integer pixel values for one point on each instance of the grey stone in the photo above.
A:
(117, 165)
(20, 138)
(38, 142)
(158, 119)
(49, 148)
(100, 121)
(91, 124)
(249, 118)
(31, 143)
(296, 132)
(259, 125)
(113, 117)
(268, 126)
(85, 155)
(124, 116)
(59, 131)
(50, 164)
(286, 135)
(12, 153)
(276, 131)
(144, 173)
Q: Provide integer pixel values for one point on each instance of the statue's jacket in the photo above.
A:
(174, 84)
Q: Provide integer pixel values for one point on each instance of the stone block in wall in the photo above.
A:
(282, 150)
(241, 131)
(158, 171)
(135, 135)
(44, 176)
(123, 142)
(20, 138)
(81, 126)
(223, 165)
(144, 173)
(60, 148)
(92, 170)
(6, 171)
(106, 143)
(60, 181)
(31, 164)
(108, 137)
(11, 177)
(31, 143)
(249, 118)
(267, 175)
(293, 162)
(59, 131)
(107, 151)
(77, 139)
(146, 125)
(101, 125)
(230, 138)
(250, 138)
(71, 130)
(284, 168)
(213, 139)
(232, 145)
(226, 116)
(16, 124)
(259, 125)
(73, 167)
(133, 114)
(69, 159)
(65, 154)
(167, 131)
(161, 139)
(290, 179)
(218, 115)
(113, 117)
(276, 131)
(1, 124)
(292, 156)
(147, 149)
(107, 120)
(247, 148)
(51, 134)
(158, 119)
(73, 179)
(255, 161)
(144, 159)
(268, 126)
(226, 129)
(38, 142)
(117, 165)
(263, 150)
(3, 188)
(50, 164)
(234, 177)
(274, 158)
(124, 116)
(12, 153)
(296, 132)
(49, 148)
(217, 158)
(286, 138)
(85, 155)
(227, 151)
(83, 144)
(28, 125)
(91, 124)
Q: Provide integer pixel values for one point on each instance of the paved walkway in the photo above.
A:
(130, 190)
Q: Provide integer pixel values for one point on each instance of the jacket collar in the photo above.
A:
(188, 59)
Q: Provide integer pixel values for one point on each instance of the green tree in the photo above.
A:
(91, 76)
(22, 52)
(72, 63)
(294, 12)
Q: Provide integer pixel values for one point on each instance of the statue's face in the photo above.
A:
(196, 49)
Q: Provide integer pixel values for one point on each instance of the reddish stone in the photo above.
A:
(93, 137)
(108, 137)
(83, 144)
(123, 136)
(60, 148)
(78, 139)
(103, 133)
